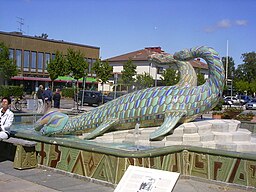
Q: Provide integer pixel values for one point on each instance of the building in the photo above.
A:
(141, 59)
(31, 55)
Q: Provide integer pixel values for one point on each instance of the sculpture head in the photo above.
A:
(184, 55)
(162, 58)
(51, 123)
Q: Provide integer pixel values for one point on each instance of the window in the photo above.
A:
(26, 61)
(40, 61)
(89, 61)
(33, 61)
(11, 53)
(46, 61)
(53, 56)
(160, 70)
(18, 58)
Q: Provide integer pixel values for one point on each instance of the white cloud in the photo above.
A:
(225, 24)
(241, 22)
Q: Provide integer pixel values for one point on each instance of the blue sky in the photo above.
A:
(122, 26)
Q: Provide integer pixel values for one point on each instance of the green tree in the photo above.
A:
(103, 72)
(200, 78)
(170, 77)
(57, 66)
(144, 81)
(76, 66)
(129, 73)
(249, 66)
(231, 65)
(8, 68)
(241, 86)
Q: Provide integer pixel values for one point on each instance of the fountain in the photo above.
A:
(211, 149)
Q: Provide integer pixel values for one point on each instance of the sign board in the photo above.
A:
(140, 179)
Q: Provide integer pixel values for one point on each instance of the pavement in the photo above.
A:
(44, 179)
(48, 180)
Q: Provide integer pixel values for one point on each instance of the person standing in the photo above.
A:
(47, 95)
(40, 99)
(6, 118)
(56, 99)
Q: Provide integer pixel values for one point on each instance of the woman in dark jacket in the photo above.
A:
(56, 99)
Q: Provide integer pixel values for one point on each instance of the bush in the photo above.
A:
(245, 117)
(68, 92)
(7, 91)
(231, 113)
(218, 107)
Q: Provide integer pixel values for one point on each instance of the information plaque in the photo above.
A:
(140, 179)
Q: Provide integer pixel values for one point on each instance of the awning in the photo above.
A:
(21, 78)
(59, 79)
(69, 79)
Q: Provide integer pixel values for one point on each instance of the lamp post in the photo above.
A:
(115, 83)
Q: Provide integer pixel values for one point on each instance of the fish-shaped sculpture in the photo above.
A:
(177, 104)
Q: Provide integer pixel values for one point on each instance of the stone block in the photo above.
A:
(172, 143)
(219, 126)
(192, 143)
(173, 137)
(246, 147)
(204, 126)
(226, 146)
(209, 144)
(179, 130)
(223, 137)
(234, 125)
(157, 143)
(191, 137)
(190, 128)
(241, 135)
(206, 136)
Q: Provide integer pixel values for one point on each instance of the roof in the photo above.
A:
(19, 34)
(143, 55)
(140, 55)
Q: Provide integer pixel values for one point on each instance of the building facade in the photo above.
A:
(141, 59)
(31, 55)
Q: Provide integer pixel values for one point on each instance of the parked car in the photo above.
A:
(251, 104)
(118, 94)
(91, 97)
(244, 99)
(231, 100)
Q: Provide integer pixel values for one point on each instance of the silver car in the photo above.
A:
(251, 104)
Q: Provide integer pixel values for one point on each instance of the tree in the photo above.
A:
(128, 73)
(8, 68)
(200, 78)
(57, 66)
(144, 81)
(231, 65)
(170, 77)
(249, 66)
(76, 66)
(103, 72)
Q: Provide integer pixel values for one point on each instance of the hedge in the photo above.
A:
(7, 91)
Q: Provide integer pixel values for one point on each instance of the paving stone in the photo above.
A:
(223, 137)
(191, 137)
(190, 128)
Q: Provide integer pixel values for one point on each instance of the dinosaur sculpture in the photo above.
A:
(188, 76)
(178, 104)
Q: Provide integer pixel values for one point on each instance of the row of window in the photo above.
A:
(35, 61)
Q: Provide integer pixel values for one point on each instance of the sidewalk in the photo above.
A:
(45, 180)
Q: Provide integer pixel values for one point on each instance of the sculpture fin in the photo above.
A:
(106, 125)
(171, 119)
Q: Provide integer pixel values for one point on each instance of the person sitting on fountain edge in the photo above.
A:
(6, 118)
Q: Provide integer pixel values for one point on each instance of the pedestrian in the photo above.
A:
(56, 98)
(47, 95)
(40, 99)
(6, 118)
